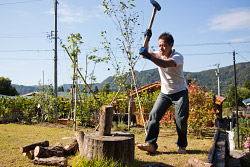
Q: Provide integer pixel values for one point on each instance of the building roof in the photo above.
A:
(155, 86)
(219, 99)
(246, 102)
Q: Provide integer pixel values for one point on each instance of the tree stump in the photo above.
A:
(117, 146)
(104, 144)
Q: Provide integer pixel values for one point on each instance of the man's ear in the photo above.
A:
(171, 45)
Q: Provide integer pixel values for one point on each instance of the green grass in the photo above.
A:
(12, 136)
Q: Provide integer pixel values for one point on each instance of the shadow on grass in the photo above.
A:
(209, 134)
(138, 163)
(175, 152)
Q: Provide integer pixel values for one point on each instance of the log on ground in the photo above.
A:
(56, 161)
(72, 147)
(45, 152)
(33, 146)
(118, 146)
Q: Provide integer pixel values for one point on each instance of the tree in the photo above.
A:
(242, 94)
(6, 88)
(246, 84)
(60, 89)
(106, 88)
(96, 90)
(126, 21)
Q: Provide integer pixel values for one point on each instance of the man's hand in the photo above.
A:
(148, 33)
(143, 51)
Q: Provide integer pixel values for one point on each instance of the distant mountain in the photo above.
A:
(21, 89)
(207, 78)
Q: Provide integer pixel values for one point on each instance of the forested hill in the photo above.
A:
(207, 77)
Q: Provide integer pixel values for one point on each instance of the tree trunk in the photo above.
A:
(118, 146)
(80, 140)
(106, 120)
(58, 161)
(33, 146)
(45, 152)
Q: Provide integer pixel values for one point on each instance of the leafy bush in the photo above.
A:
(201, 104)
(244, 131)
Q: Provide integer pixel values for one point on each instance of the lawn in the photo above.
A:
(12, 136)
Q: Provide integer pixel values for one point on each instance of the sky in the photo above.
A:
(205, 33)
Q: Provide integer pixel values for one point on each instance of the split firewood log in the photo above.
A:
(29, 154)
(72, 147)
(33, 146)
(57, 161)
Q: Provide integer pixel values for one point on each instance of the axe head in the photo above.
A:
(155, 4)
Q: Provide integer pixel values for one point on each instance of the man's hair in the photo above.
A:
(167, 37)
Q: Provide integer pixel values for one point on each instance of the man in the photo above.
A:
(173, 91)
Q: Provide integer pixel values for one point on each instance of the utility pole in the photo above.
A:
(218, 76)
(55, 57)
(236, 99)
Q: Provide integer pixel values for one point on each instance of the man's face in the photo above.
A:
(164, 48)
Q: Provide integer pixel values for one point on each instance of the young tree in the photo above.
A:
(6, 88)
(126, 22)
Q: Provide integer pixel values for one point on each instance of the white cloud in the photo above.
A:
(243, 39)
(234, 19)
(79, 15)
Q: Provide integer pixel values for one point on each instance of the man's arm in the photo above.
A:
(153, 57)
(163, 62)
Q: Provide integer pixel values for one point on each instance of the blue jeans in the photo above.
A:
(181, 113)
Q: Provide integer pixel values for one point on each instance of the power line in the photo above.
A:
(23, 59)
(29, 50)
(214, 43)
(13, 3)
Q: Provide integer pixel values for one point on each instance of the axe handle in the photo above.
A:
(150, 25)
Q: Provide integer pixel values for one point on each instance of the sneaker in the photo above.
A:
(182, 150)
(147, 147)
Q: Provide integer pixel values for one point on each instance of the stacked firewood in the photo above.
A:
(42, 154)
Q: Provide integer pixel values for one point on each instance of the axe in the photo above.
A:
(156, 7)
